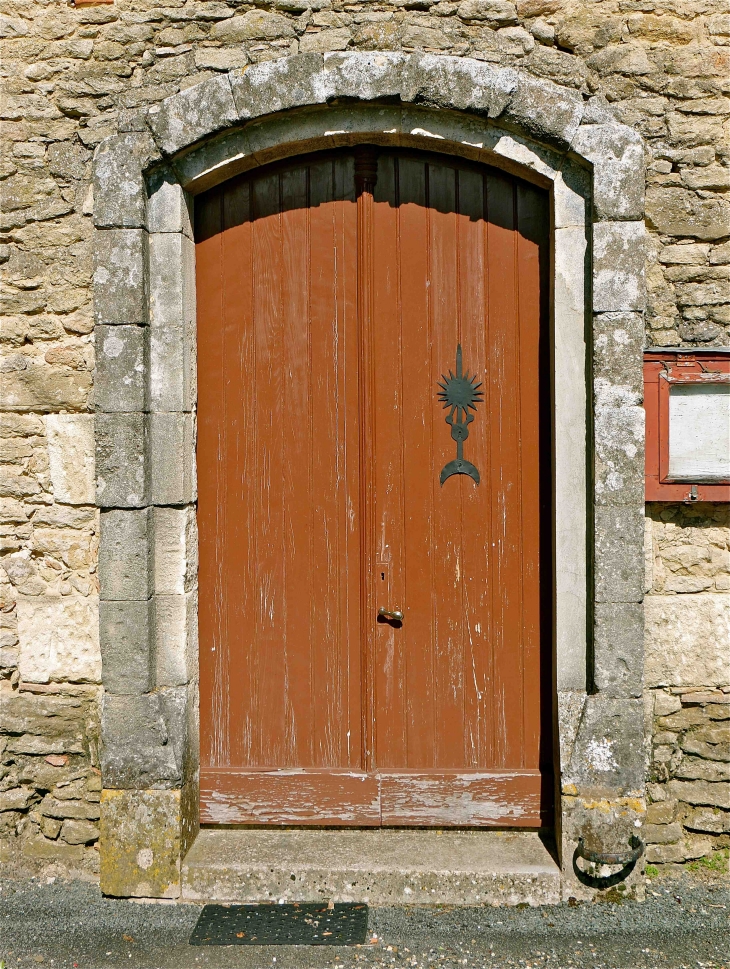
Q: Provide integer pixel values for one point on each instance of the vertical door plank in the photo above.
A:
(447, 523)
(298, 409)
(388, 561)
(238, 432)
(350, 466)
(419, 463)
(504, 407)
(268, 269)
(476, 505)
(327, 459)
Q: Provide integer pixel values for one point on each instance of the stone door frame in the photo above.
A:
(145, 178)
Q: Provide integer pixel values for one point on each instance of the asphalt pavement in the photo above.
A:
(683, 924)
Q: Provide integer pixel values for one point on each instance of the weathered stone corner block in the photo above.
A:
(194, 113)
(120, 276)
(617, 154)
(119, 189)
(137, 753)
(121, 460)
(140, 843)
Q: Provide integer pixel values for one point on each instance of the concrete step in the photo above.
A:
(378, 866)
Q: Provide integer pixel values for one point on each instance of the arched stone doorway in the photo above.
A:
(146, 401)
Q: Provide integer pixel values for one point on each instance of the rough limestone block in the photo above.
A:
(136, 749)
(121, 474)
(172, 474)
(119, 190)
(59, 639)
(169, 208)
(617, 154)
(193, 113)
(619, 648)
(688, 640)
(120, 276)
(619, 254)
(458, 83)
(680, 212)
(700, 792)
(125, 568)
(176, 550)
(172, 323)
(43, 716)
(71, 457)
(276, 85)
(127, 647)
(619, 564)
(365, 75)
(619, 445)
(545, 111)
(618, 342)
(608, 757)
(119, 383)
(140, 843)
(176, 637)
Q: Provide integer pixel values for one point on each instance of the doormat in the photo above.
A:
(304, 923)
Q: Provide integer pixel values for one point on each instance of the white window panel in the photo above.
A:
(699, 432)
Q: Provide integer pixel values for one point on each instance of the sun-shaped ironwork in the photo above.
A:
(460, 393)
(460, 390)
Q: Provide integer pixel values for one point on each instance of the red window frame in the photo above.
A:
(662, 368)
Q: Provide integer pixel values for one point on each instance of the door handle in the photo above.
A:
(396, 615)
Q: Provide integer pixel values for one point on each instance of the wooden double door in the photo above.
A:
(350, 465)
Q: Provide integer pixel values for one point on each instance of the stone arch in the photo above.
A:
(144, 307)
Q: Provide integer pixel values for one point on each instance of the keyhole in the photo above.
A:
(382, 576)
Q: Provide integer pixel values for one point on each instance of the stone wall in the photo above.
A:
(50, 664)
(688, 673)
(76, 76)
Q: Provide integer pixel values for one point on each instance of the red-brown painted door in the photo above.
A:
(334, 294)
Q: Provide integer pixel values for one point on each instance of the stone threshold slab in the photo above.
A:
(377, 866)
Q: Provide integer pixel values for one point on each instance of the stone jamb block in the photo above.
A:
(136, 752)
(121, 460)
(125, 560)
(619, 648)
(619, 255)
(119, 189)
(172, 334)
(619, 556)
(618, 432)
(617, 154)
(119, 377)
(194, 113)
(618, 343)
(120, 276)
(172, 459)
(127, 646)
(608, 754)
(176, 639)
(175, 550)
(169, 207)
